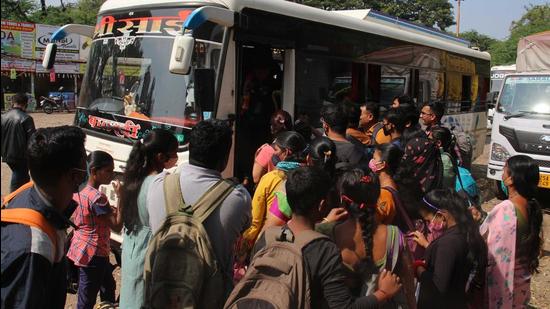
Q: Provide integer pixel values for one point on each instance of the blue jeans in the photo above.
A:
(19, 174)
(91, 281)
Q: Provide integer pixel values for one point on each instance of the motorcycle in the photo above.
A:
(51, 103)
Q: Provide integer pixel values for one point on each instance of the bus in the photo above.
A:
(169, 64)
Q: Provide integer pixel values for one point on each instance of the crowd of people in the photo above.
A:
(375, 212)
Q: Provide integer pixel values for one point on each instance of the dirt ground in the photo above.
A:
(540, 285)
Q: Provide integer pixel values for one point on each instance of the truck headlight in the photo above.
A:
(499, 152)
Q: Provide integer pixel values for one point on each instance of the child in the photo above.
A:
(95, 219)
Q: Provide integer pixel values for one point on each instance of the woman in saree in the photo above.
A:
(512, 230)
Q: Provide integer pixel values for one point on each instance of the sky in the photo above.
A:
(491, 17)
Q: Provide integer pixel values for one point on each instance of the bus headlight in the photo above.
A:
(499, 152)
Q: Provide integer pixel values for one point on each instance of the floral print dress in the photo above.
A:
(508, 281)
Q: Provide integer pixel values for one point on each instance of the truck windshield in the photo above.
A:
(127, 72)
(525, 94)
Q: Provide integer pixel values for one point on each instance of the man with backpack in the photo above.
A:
(431, 115)
(35, 219)
(298, 260)
(204, 214)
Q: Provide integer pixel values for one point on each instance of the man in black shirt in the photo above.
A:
(335, 123)
(17, 128)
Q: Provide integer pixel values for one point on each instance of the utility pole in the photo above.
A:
(458, 18)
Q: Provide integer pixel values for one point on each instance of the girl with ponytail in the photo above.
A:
(372, 247)
(513, 233)
(149, 156)
(321, 154)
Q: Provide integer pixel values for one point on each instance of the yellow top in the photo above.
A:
(263, 197)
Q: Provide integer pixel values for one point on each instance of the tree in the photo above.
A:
(477, 39)
(331, 5)
(427, 12)
(17, 10)
(82, 12)
(536, 19)
(86, 11)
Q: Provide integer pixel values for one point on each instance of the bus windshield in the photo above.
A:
(525, 94)
(128, 72)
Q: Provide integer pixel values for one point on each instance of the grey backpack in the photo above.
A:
(277, 277)
(181, 270)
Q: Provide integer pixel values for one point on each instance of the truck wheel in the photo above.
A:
(48, 108)
(498, 190)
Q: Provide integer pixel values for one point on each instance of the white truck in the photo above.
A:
(497, 77)
(521, 122)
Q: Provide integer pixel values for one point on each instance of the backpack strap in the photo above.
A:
(284, 234)
(32, 218)
(305, 237)
(10, 196)
(400, 208)
(173, 198)
(212, 199)
(377, 127)
(392, 247)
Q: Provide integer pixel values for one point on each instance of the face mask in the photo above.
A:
(436, 229)
(372, 166)
(504, 188)
(84, 182)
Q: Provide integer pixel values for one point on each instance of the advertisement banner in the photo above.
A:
(67, 68)
(17, 46)
(18, 39)
(9, 63)
(85, 43)
(67, 48)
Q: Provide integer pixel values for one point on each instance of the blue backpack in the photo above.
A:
(465, 182)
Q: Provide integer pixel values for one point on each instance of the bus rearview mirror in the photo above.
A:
(49, 56)
(182, 50)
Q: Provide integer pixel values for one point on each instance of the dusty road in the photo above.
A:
(540, 286)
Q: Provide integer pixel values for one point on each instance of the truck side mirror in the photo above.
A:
(182, 50)
(49, 56)
(204, 88)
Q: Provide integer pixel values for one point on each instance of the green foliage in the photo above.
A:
(335, 4)
(86, 12)
(536, 19)
(82, 12)
(18, 10)
(477, 39)
(427, 12)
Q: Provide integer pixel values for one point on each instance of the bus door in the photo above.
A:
(260, 84)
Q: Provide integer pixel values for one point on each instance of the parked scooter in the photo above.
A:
(51, 103)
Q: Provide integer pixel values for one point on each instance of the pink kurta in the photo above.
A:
(508, 282)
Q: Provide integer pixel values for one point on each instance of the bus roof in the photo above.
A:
(362, 20)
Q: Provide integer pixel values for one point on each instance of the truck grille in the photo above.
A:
(542, 163)
(525, 141)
